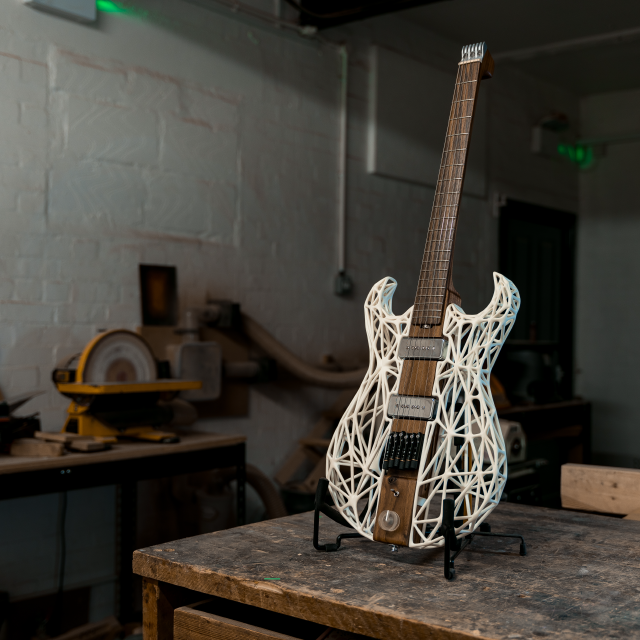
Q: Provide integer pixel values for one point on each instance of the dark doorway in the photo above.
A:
(537, 252)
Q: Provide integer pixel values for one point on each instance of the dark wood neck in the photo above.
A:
(435, 274)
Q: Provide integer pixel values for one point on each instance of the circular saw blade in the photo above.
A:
(120, 356)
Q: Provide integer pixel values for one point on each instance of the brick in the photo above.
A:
(78, 75)
(123, 314)
(28, 268)
(20, 379)
(31, 245)
(28, 89)
(89, 312)
(82, 192)
(8, 199)
(147, 91)
(27, 290)
(34, 120)
(6, 289)
(179, 204)
(25, 353)
(86, 251)
(105, 132)
(220, 113)
(56, 291)
(194, 148)
(29, 178)
(27, 313)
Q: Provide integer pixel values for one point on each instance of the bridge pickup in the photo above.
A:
(422, 349)
(411, 407)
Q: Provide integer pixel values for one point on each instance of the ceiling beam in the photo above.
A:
(331, 13)
(555, 48)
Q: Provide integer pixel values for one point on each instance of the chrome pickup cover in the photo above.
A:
(422, 349)
(411, 407)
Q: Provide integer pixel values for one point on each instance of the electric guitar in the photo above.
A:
(422, 428)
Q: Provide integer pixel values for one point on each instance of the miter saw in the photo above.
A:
(115, 390)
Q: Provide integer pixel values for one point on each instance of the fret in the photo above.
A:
(438, 250)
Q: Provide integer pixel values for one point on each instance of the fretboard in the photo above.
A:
(438, 252)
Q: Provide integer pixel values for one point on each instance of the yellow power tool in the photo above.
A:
(116, 392)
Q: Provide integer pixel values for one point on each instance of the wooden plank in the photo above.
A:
(31, 447)
(190, 624)
(324, 426)
(59, 437)
(122, 451)
(580, 579)
(604, 489)
(633, 516)
(310, 483)
(87, 445)
(315, 442)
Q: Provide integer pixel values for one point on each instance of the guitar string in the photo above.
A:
(428, 282)
(448, 229)
(454, 155)
(433, 243)
(414, 374)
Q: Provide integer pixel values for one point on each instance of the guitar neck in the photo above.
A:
(435, 272)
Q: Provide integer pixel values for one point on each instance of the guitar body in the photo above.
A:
(462, 453)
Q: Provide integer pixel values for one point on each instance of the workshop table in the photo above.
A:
(580, 579)
(124, 464)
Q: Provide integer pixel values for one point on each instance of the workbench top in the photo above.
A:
(121, 451)
(580, 579)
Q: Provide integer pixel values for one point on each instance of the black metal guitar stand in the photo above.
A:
(447, 530)
(451, 543)
(330, 512)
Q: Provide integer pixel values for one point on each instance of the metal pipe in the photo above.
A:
(296, 366)
(342, 160)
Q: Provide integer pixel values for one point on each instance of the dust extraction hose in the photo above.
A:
(296, 366)
(264, 488)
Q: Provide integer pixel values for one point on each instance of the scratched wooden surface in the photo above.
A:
(581, 578)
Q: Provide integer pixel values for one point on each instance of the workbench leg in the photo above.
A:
(127, 516)
(157, 612)
(241, 485)
(159, 600)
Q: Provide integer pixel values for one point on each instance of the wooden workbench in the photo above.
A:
(581, 579)
(124, 465)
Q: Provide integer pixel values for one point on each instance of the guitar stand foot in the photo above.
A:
(451, 543)
(322, 507)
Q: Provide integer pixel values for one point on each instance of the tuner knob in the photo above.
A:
(389, 520)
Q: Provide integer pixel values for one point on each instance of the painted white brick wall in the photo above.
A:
(186, 137)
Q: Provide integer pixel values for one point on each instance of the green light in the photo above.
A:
(106, 6)
(576, 154)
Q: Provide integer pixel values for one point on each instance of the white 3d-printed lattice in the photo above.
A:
(475, 473)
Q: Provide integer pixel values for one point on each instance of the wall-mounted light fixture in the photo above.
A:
(79, 10)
